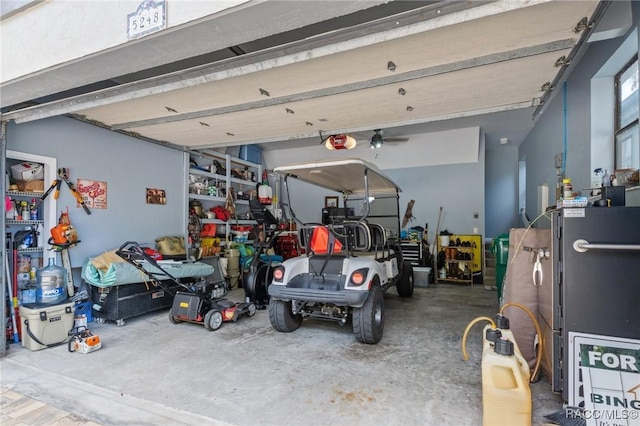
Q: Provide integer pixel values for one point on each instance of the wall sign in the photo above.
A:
(156, 196)
(149, 17)
(94, 193)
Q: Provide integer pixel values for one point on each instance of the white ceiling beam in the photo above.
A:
(360, 85)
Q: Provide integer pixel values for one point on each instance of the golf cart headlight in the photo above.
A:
(278, 274)
(358, 276)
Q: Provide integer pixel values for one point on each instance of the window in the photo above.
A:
(627, 148)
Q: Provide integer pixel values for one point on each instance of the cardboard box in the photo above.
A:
(27, 171)
(30, 185)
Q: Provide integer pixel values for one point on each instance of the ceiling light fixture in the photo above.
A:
(504, 141)
(335, 142)
(376, 141)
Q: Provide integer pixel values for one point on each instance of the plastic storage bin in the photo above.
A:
(500, 248)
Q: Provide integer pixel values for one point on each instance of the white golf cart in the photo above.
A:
(350, 261)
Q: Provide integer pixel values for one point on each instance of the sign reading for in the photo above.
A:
(611, 376)
(150, 16)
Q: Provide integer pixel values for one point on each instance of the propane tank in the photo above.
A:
(506, 395)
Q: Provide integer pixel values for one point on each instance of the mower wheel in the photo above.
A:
(173, 319)
(213, 320)
(251, 309)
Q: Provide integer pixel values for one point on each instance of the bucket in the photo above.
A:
(444, 240)
(233, 266)
(51, 284)
(506, 395)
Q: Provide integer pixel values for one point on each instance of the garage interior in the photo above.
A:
(465, 95)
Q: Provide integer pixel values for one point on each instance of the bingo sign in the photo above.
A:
(149, 17)
(610, 370)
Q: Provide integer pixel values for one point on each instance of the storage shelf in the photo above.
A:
(31, 250)
(207, 174)
(25, 194)
(475, 265)
(455, 280)
(229, 181)
(23, 222)
(204, 197)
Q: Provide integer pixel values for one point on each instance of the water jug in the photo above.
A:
(51, 284)
(506, 395)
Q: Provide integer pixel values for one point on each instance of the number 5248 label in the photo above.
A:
(149, 17)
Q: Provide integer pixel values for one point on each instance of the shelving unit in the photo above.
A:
(20, 280)
(207, 185)
(464, 263)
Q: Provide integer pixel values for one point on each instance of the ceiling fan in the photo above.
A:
(377, 140)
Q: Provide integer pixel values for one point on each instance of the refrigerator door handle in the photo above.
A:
(582, 246)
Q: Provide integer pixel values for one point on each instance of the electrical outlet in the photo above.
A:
(476, 215)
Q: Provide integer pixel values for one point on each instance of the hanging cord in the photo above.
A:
(538, 330)
(466, 331)
(564, 127)
(545, 214)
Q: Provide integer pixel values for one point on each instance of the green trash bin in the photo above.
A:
(500, 248)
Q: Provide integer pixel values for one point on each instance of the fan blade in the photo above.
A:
(395, 140)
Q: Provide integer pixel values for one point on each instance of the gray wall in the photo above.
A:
(547, 137)
(458, 188)
(501, 197)
(128, 165)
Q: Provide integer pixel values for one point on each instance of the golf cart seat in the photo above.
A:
(378, 237)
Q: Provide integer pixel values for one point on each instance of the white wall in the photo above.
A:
(57, 31)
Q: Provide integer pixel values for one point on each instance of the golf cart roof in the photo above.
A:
(344, 176)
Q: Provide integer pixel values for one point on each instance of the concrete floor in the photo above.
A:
(152, 372)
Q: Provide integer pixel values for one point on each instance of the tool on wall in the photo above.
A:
(408, 214)
(63, 175)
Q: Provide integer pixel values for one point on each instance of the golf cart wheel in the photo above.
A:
(368, 321)
(173, 319)
(281, 316)
(213, 320)
(405, 284)
(251, 309)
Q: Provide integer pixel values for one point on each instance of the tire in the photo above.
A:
(405, 284)
(213, 320)
(281, 317)
(368, 321)
(173, 319)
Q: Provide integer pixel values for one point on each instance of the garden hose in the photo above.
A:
(466, 331)
(538, 330)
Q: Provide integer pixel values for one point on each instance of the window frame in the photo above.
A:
(618, 130)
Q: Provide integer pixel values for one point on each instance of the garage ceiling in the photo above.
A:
(445, 60)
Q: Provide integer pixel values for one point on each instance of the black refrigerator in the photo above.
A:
(596, 280)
